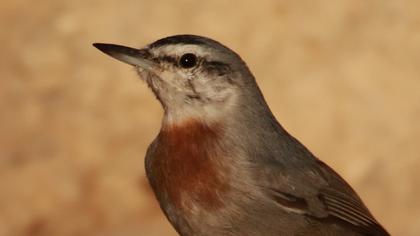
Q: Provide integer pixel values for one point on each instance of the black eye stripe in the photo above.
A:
(168, 59)
(216, 64)
(217, 67)
(211, 66)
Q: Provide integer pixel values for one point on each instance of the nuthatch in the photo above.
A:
(222, 164)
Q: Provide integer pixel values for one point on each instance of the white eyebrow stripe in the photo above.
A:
(176, 50)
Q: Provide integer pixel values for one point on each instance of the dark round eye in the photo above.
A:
(188, 60)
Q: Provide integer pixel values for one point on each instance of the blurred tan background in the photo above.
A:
(342, 76)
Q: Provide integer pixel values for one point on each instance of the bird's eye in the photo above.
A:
(188, 60)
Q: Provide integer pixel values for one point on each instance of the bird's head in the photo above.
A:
(192, 76)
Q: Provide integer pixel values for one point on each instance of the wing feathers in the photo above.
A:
(348, 212)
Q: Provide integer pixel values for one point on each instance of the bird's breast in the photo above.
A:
(188, 168)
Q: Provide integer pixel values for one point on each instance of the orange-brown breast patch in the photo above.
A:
(188, 163)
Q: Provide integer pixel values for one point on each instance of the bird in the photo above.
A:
(221, 163)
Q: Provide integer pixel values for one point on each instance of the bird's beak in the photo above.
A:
(132, 56)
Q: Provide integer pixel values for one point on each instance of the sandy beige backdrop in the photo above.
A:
(342, 76)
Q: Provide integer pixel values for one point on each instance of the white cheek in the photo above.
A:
(207, 88)
(173, 80)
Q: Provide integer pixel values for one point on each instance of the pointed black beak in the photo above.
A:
(132, 56)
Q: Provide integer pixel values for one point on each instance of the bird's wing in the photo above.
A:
(343, 202)
(317, 190)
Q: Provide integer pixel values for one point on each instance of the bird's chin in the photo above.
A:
(146, 76)
(152, 80)
(142, 73)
